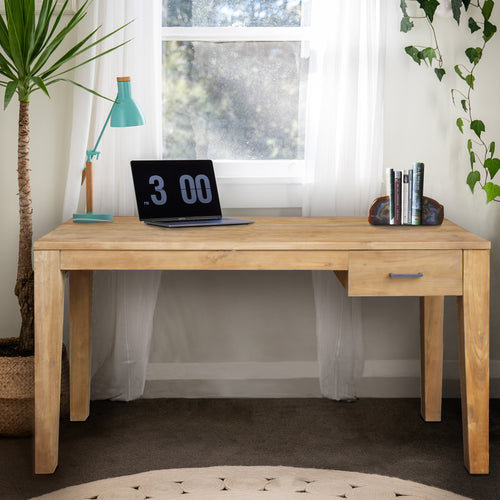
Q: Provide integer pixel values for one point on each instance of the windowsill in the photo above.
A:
(260, 192)
(256, 184)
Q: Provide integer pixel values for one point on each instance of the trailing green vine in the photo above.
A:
(483, 163)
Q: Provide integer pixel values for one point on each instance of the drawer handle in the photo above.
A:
(416, 275)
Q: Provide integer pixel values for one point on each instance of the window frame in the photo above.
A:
(253, 183)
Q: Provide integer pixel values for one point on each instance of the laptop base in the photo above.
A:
(224, 221)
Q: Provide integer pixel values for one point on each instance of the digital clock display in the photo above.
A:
(167, 189)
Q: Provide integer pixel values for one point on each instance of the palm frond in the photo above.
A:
(29, 29)
(6, 68)
(4, 34)
(14, 30)
(75, 51)
(43, 24)
(10, 90)
(28, 43)
(88, 60)
(81, 86)
(54, 40)
(40, 84)
(69, 55)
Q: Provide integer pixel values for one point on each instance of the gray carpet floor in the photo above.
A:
(377, 436)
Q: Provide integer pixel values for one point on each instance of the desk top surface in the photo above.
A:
(268, 233)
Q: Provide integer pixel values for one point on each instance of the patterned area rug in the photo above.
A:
(250, 483)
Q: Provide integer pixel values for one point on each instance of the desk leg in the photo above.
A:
(49, 313)
(473, 332)
(80, 314)
(431, 357)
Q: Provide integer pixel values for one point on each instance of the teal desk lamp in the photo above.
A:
(124, 113)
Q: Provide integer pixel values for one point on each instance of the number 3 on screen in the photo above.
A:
(159, 183)
(192, 189)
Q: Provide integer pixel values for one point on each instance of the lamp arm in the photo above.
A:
(87, 173)
(93, 153)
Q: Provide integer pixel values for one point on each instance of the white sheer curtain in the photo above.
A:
(343, 154)
(124, 302)
(344, 161)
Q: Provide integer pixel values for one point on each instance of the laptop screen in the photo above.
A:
(175, 189)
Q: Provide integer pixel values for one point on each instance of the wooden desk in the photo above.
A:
(451, 260)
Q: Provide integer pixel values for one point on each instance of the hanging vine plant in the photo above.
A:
(484, 165)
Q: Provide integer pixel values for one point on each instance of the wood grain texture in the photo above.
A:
(49, 313)
(431, 357)
(370, 273)
(268, 233)
(473, 326)
(204, 259)
(89, 187)
(362, 254)
(80, 318)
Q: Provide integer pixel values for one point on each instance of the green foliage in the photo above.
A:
(414, 53)
(429, 7)
(30, 47)
(474, 54)
(406, 22)
(488, 31)
(487, 9)
(32, 57)
(468, 78)
(472, 159)
(492, 165)
(428, 53)
(473, 178)
(478, 127)
(479, 19)
(456, 6)
(431, 56)
(492, 191)
(473, 26)
(440, 72)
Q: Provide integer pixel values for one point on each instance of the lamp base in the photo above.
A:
(92, 217)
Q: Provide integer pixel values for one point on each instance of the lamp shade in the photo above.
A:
(126, 112)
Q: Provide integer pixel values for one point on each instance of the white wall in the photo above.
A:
(217, 350)
(420, 126)
(48, 152)
(260, 326)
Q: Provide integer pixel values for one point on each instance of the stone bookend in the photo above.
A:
(432, 212)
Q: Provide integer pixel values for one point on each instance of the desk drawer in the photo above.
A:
(405, 273)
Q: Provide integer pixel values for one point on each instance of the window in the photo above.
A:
(234, 88)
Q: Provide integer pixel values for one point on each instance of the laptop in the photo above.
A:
(178, 193)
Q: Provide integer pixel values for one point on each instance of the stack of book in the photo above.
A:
(405, 191)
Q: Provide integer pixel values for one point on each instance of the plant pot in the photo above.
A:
(17, 391)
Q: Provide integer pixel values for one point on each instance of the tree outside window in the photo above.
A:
(234, 78)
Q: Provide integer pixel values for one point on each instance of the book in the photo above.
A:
(397, 197)
(410, 194)
(390, 194)
(404, 198)
(417, 193)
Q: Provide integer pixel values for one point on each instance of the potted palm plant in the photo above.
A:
(34, 55)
